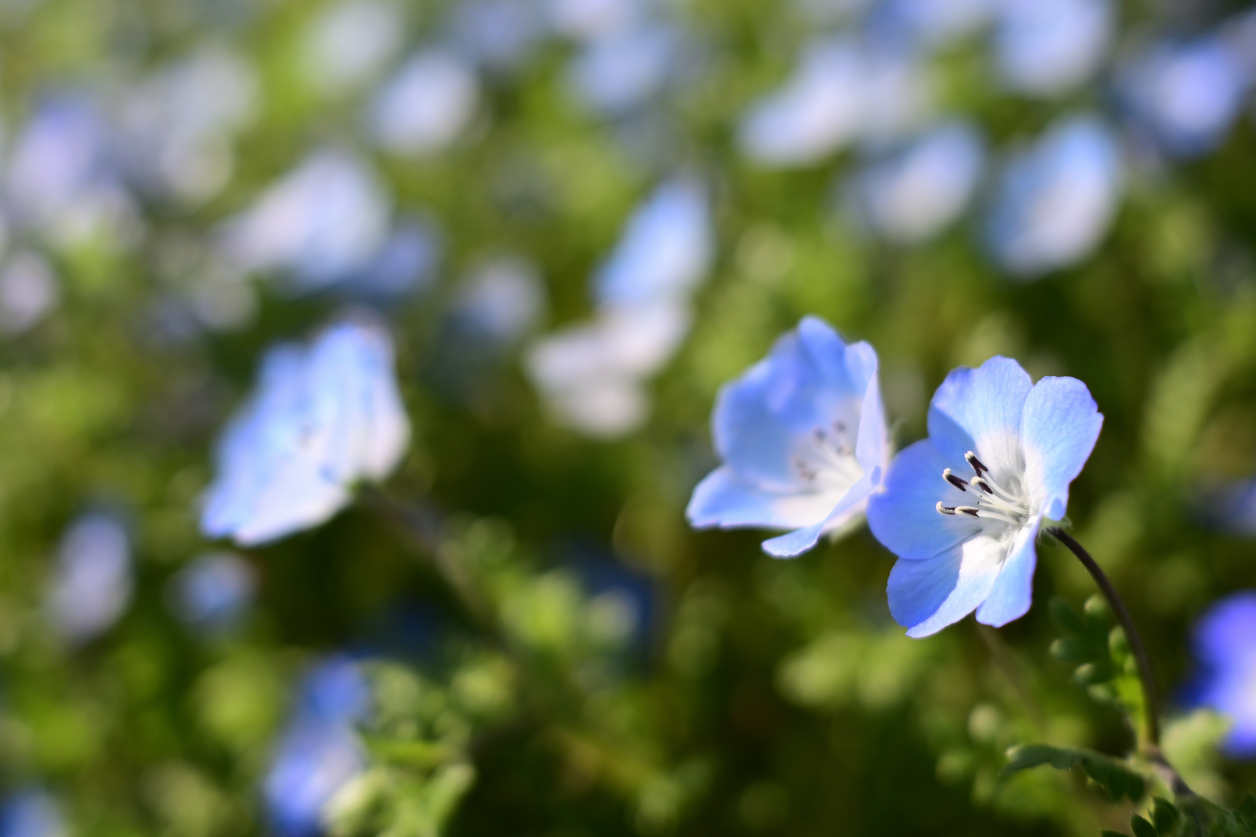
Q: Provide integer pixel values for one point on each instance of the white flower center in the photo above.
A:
(827, 462)
(1004, 502)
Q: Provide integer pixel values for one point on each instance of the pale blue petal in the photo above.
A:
(769, 416)
(1060, 427)
(980, 410)
(726, 501)
(926, 596)
(903, 514)
(794, 543)
(1013, 591)
(872, 448)
(846, 368)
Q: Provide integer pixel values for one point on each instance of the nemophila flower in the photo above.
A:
(1055, 199)
(426, 106)
(31, 813)
(803, 438)
(962, 508)
(914, 192)
(319, 751)
(933, 23)
(500, 35)
(28, 291)
(622, 71)
(350, 42)
(1186, 95)
(842, 90)
(323, 419)
(1229, 506)
(322, 222)
(91, 583)
(1226, 680)
(213, 592)
(1047, 47)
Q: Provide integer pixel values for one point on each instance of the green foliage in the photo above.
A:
(1101, 656)
(1121, 779)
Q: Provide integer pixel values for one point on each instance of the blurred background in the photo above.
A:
(578, 219)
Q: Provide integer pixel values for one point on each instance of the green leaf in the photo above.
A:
(1109, 833)
(1248, 806)
(1116, 776)
(1070, 649)
(1141, 827)
(1165, 816)
(1066, 617)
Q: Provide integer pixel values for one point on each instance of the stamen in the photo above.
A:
(958, 482)
(944, 509)
(975, 463)
(971, 511)
(980, 482)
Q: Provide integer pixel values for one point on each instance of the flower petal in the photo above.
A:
(980, 410)
(726, 501)
(926, 596)
(872, 447)
(794, 543)
(769, 416)
(903, 514)
(1013, 590)
(1060, 426)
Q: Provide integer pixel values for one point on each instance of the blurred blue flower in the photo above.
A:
(592, 375)
(1047, 47)
(932, 23)
(966, 543)
(406, 263)
(426, 105)
(31, 813)
(665, 250)
(28, 291)
(803, 439)
(1186, 95)
(213, 592)
(62, 178)
(915, 192)
(322, 419)
(842, 90)
(319, 751)
(348, 43)
(91, 581)
(1055, 199)
(498, 34)
(178, 123)
(499, 303)
(588, 19)
(322, 221)
(1226, 682)
(622, 71)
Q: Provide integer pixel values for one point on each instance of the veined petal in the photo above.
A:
(1059, 429)
(1013, 590)
(903, 514)
(726, 501)
(981, 410)
(794, 543)
(847, 368)
(926, 596)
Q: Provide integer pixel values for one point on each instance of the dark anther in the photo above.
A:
(954, 480)
(982, 484)
(944, 509)
(975, 463)
(971, 511)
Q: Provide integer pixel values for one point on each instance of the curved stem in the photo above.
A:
(1151, 713)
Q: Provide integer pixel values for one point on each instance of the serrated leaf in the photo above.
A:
(1096, 610)
(1069, 649)
(1141, 827)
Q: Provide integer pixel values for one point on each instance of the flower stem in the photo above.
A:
(1151, 713)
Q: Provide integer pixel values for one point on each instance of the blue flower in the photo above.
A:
(618, 73)
(914, 193)
(962, 508)
(323, 419)
(1055, 200)
(31, 813)
(1226, 683)
(426, 106)
(1047, 47)
(1186, 95)
(213, 592)
(319, 752)
(803, 439)
(91, 584)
